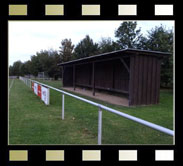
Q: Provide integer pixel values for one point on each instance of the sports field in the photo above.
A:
(32, 122)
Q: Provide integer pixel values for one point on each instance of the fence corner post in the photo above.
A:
(99, 126)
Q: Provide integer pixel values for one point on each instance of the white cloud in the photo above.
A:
(28, 37)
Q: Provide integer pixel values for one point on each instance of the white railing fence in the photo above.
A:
(100, 108)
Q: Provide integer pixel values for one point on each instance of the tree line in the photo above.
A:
(127, 36)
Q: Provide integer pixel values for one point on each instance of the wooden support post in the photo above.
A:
(74, 86)
(93, 78)
(124, 63)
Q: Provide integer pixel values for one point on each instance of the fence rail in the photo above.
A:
(100, 108)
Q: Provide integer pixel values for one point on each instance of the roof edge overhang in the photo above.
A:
(130, 51)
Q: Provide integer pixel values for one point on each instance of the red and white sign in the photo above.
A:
(42, 92)
(39, 91)
(32, 86)
(36, 88)
(45, 95)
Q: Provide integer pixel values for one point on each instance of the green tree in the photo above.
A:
(54, 70)
(86, 47)
(107, 45)
(128, 35)
(10, 70)
(66, 50)
(46, 61)
(15, 70)
(161, 39)
(35, 65)
(27, 66)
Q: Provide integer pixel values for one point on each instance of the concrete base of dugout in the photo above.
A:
(109, 98)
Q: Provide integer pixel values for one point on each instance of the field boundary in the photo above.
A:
(12, 82)
(100, 107)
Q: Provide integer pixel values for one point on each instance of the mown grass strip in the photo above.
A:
(31, 122)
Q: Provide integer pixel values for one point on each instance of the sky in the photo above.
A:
(28, 37)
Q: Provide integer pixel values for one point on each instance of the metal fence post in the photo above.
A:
(99, 126)
(30, 84)
(62, 106)
(100, 106)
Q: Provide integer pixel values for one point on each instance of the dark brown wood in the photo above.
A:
(149, 81)
(68, 76)
(153, 98)
(102, 88)
(142, 80)
(156, 83)
(113, 76)
(140, 63)
(74, 77)
(138, 76)
(93, 79)
(96, 61)
(131, 87)
(121, 81)
(158, 79)
(124, 63)
(62, 76)
(145, 79)
(152, 81)
(112, 90)
(84, 74)
(125, 53)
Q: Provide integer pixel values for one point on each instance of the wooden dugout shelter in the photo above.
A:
(133, 72)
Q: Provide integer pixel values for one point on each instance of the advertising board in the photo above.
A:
(39, 90)
(45, 95)
(36, 88)
(32, 86)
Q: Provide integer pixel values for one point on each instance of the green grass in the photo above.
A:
(32, 122)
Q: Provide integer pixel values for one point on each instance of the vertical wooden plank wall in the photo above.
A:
(93, 78)
(68, 76)
(63, 76)
(84, 74)
(158, 80)
(74, 77)
(131, 81)
(149, 80)
(144, 80)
